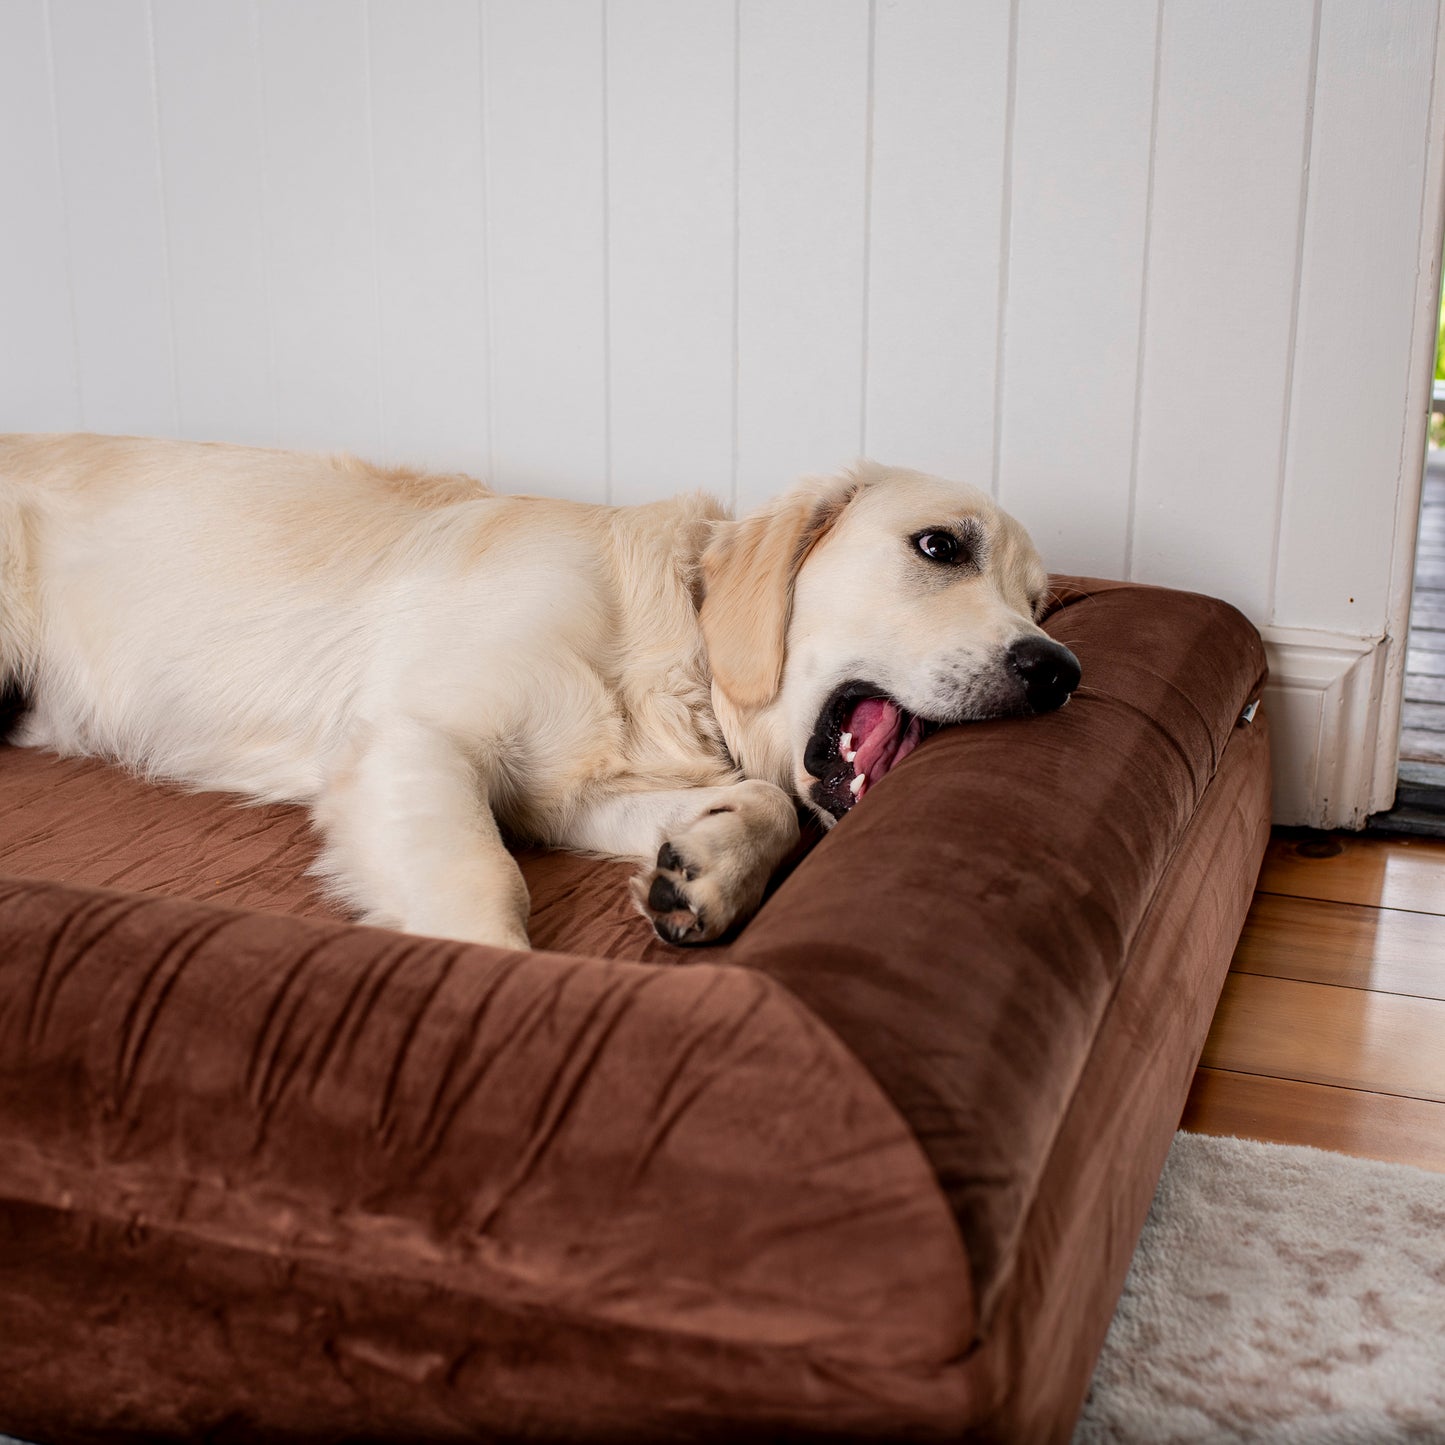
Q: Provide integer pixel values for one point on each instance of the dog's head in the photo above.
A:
(849, 617)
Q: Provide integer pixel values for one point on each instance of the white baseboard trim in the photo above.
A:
(1323, 699)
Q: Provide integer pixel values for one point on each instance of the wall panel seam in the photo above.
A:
(66, 254)
(1005, 242)
(155, 80)
(489, 349)
(737, 243)
(1289, 364)
(378, 335)
(263, 219)
(867, 226)
(606, 261)
(1143, 336)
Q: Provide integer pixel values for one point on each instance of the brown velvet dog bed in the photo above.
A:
(874, 1169)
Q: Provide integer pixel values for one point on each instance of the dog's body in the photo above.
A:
(426, 663)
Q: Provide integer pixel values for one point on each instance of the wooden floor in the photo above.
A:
(1422, 736)
(1331, 1028)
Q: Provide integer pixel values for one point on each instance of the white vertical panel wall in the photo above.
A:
(671, 221)
(804, 85)
(544, 90)
(208, 104)
(1079, 218)
(115, 213)
(942, 76)
(1230, 157)
(428, 173)
(39, 351)
(1158, 273)
(320, 211)
(1357, 296)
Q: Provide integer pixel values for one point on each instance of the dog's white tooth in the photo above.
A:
(844, 743)
(849, 754)
(856, 786)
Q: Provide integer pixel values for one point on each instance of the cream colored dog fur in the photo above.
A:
(429, 665)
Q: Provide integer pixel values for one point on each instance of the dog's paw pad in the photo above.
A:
(662, 897)
(666, 897)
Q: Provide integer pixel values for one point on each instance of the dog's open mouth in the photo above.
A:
(860, 735)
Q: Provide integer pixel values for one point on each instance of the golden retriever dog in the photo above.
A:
(431, 666)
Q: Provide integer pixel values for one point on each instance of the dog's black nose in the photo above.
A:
(1048, 670)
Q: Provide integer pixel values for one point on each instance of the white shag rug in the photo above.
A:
(1279, 1296)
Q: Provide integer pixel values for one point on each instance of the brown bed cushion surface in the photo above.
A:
(766, 1159)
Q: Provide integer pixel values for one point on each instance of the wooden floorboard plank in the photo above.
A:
(1354, 868)
(1345, 945)
(1380, 1042)
(1348, 1121)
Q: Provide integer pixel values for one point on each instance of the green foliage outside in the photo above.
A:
(1440, 343)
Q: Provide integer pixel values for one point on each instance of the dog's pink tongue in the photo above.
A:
(874, 725)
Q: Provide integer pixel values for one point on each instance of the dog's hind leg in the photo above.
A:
(412, 844)
(709, 852)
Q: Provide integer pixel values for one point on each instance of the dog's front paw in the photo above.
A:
(671, 897)
(712, 872)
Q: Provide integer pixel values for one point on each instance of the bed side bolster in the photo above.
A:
(675, 1149)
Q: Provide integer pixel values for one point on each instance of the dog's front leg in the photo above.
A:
(412, 843)
(709, 852)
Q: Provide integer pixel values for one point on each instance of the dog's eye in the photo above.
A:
(939, 546)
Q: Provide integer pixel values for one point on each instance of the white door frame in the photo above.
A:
(1412, 457)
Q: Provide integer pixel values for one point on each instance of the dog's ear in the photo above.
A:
(748, 571)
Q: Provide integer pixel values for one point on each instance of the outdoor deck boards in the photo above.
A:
(1422, 736)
